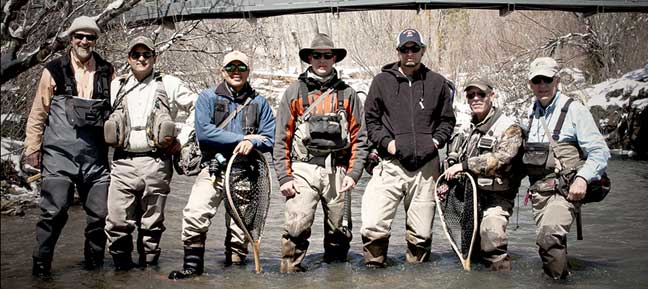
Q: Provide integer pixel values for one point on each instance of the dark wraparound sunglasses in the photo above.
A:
(319, 55)
(475, 94)
(136, 55)
(545, 79)
(239, 67)
(406, 49)
(80, 36)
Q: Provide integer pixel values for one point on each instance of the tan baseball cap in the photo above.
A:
(545, 66)
(236, 55)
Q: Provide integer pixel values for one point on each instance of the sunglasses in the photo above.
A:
(136, 55)
(472, 95)
(319, 55)
(79, 36)
(545, 79)
(406, 49)
(237, 67)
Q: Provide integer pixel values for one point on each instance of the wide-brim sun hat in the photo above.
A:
(322, 41)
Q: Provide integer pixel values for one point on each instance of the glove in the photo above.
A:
(31, 164)
(174, 148)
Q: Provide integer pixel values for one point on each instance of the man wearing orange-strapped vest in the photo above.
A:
(319, 153)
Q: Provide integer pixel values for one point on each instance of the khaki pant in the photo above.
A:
(553, 216)
(313, 184)
(136, 199)
(206, 195)
(497, 210)
(390, 184)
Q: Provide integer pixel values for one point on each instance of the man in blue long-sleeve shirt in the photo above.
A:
(578, 146)
(252, 128)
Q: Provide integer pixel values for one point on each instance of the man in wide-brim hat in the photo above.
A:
(322, 42)
(319, 153)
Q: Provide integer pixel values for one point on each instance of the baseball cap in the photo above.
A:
(545, 66)
(409, 35)
(481, 83)
(141, 40)
(236, 55)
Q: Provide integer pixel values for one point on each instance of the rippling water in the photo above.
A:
(614, 253)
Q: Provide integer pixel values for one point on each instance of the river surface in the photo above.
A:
(614, 253)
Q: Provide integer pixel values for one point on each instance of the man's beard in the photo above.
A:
(82, 53)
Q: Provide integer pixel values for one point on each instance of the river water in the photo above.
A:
(614, 253)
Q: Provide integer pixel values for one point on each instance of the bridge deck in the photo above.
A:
(181, 10)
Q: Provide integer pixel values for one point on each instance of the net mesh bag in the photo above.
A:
(456, 205)
(248, 187)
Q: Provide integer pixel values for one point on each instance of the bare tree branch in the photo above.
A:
(13, 64)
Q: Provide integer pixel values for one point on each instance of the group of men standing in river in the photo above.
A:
(319, 141)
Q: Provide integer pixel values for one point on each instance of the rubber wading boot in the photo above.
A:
(92, 259)
(235, 259)
(193, 264)
(149, 260)
(42, 269)
(503, 265)
(93, 262)
(123, 262)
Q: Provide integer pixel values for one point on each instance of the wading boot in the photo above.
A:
(149, 260)
(193, 264)
(235, 259)
(123, 262)
(42, 269)
(503, 265)
(92, 260)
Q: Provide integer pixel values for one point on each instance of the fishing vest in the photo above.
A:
(478, 143)
(552, 169)
(74, 125)
(250, 120)
(249, 123)
(159, 128)
(319, 135)
(538, 159)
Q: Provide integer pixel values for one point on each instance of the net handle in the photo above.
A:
(465, 262)
(233, 212)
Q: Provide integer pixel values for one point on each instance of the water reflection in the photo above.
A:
(614, 253)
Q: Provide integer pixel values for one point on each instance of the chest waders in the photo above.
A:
(75, 157)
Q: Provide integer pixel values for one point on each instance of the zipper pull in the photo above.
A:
(527, 197)
(421, 103)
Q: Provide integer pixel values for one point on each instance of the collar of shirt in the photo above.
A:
(84, 75)
(550, 115)
(549, 109)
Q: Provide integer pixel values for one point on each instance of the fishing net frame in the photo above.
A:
(247, 190)
(459, 214)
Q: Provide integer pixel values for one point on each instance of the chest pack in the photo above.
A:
(320, 134)
(249, 121)
(189, 161)
(554, 165)
(483, 140)
(160, 128)
(82, 112)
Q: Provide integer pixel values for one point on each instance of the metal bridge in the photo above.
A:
(181, 10)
